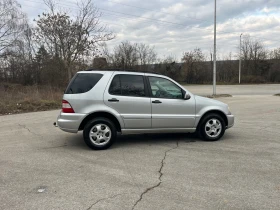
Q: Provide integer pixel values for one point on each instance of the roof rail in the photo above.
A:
(108, 69)
(90, 70)
(124, 70)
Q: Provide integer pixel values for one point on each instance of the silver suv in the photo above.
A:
(102, 103)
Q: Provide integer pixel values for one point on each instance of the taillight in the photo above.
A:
(66, 107)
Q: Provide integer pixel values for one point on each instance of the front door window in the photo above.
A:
(164, 88)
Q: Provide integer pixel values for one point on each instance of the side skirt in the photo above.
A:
(158, 130)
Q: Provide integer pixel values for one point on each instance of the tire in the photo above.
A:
(212, 127)
(99, 133)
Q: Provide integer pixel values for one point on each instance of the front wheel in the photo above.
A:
(99, 133)
(212, 127)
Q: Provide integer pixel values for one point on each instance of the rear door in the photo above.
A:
(169, 109)
(128, 95)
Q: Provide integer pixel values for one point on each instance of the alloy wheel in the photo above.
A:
(100, 134)
(213, 128)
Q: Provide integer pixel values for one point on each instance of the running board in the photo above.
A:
(159, 130)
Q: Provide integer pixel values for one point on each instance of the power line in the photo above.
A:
(159, 12)
(135, 16)
(143, 17)
(156, 10)
(128, 5)
(121, 17)
(110, 11)
(149, 19)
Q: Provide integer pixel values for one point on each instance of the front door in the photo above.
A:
(169, 109)
(128, 95)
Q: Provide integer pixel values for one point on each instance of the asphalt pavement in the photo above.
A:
(42, 167)
(236, 90)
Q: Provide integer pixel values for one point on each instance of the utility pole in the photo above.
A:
(240, 59)
(214, 59)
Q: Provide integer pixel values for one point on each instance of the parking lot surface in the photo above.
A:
(42, 167)
(265, 89)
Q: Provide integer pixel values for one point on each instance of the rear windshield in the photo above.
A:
(83, 82)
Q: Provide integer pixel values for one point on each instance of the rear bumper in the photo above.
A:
(69, 122)
(230, 119)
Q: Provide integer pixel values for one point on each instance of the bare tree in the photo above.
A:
(227, 70)
(254, 58)
(70, 39)
(193, 68)
(129, 55)
(274, 70)
(275, 54)
(103, 49)
(125, 55)
(18, 48)
(11, 19)
(168, 66)
(146, 54)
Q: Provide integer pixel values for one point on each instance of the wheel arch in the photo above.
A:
(104, 114)
(219, 112)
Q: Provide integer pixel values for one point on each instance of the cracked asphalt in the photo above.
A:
(42, 167)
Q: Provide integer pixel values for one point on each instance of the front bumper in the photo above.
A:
(230, 119)
(69, 122)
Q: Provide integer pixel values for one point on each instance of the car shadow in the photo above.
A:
(153, 139)
(135, 140)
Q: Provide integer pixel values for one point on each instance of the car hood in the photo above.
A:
(209, 101)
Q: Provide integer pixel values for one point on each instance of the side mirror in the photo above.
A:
(187, 96)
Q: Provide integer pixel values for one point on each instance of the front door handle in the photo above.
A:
(156, 102)
(113, 100)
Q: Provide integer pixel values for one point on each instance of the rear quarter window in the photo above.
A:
(83, 82)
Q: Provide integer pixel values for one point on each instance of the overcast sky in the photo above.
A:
(175, 26)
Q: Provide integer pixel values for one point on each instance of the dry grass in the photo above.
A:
(16, 98)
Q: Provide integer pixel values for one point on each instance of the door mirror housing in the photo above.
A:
(186, 96)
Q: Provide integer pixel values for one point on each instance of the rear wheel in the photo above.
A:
(99, 133)
(212, 127)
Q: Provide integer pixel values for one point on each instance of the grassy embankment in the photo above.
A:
(15, 98)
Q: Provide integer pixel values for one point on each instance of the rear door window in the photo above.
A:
(128, 85)
(83, 82)
(115, 87)
(132, 85)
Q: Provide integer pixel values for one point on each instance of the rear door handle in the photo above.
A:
(113, 100)
(156, 102)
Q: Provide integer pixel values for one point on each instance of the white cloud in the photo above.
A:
(175, 26)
